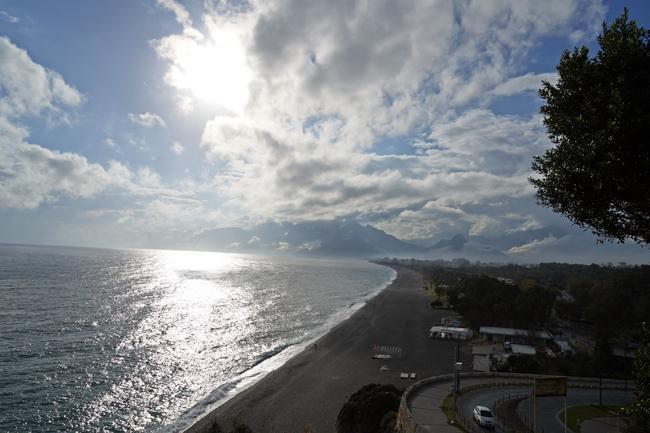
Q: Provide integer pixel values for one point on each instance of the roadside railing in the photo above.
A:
(502, 423)
(406, 422)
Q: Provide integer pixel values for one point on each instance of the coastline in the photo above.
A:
(253, 376)
(312, 386)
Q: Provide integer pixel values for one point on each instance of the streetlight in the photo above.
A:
(458, 366)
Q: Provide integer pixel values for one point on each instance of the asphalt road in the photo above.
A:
(486, 397)
(548, 408)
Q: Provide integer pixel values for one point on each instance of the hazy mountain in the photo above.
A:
(321, 238)
(459, 246)
(339, 239)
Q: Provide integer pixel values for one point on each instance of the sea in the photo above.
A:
(100, 340)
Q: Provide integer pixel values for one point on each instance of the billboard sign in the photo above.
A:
(550, 386)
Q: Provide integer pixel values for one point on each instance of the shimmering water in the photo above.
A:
(120, 341)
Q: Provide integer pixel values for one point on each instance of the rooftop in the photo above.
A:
(512, 332)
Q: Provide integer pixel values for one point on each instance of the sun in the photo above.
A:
(214, 70)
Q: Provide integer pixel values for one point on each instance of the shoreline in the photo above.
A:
(314, 383)
(250, 378)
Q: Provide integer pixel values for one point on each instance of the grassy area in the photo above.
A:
(577, 414)
(447, 408)
(433, 295)
(431, 291)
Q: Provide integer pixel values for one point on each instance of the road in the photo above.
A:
(486, 397)
(548, 408)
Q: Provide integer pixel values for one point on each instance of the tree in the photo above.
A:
(639, 411)
(598, 117)
(369, 410)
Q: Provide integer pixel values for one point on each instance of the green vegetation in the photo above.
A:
(608, 303)
(447, 407)
(437, 295)
(576, 414)
(372, 409)
(610, 300)
(484, 300)
(598, 117)
(639, 411)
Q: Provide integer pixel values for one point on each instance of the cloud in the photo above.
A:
(180, 12)
(109, 142)
(32, 174)
(296, 176)
(500, 144)
(524, 83)
(377, 111)
(388, 66)
(29, 89)
(177, 148)
(148, 178)
(29, 173)
(5, 16)
(148, 120)
(532, 246)
(331, 82)
(310, 245)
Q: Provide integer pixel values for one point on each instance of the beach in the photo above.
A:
(311, 388)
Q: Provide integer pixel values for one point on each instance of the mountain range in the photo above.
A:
(349, 239)
(342, 239)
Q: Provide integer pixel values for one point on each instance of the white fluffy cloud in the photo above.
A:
(331, 81)
(30, 89)
(31, 174)
(148, 120)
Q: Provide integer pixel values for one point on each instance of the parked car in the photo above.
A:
(483, 416)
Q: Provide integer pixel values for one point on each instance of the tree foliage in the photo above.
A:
(483, 300)
(598, 117)
(372, 409)
(639, 411)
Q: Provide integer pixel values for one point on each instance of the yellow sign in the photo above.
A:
(548, 386)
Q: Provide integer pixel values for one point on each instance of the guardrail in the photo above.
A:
(406, 423)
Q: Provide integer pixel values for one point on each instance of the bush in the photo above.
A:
(368, 410)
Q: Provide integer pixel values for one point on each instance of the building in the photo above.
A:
(514, 335)
(450, 333)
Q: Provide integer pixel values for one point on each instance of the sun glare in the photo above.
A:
(214, 71)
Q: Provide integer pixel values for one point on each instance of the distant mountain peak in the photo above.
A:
(342, 238)
(455, 243)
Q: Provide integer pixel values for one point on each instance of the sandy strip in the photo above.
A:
(312, 387)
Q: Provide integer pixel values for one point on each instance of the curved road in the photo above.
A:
(548, 408)
(486, 397)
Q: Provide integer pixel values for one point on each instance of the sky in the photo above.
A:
(142, 123)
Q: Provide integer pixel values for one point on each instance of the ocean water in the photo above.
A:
(129, 340)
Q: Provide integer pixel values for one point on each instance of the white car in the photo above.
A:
(483, 416)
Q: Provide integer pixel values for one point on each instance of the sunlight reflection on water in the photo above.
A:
(122, 341)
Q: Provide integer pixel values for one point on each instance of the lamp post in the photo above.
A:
(458, 366)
